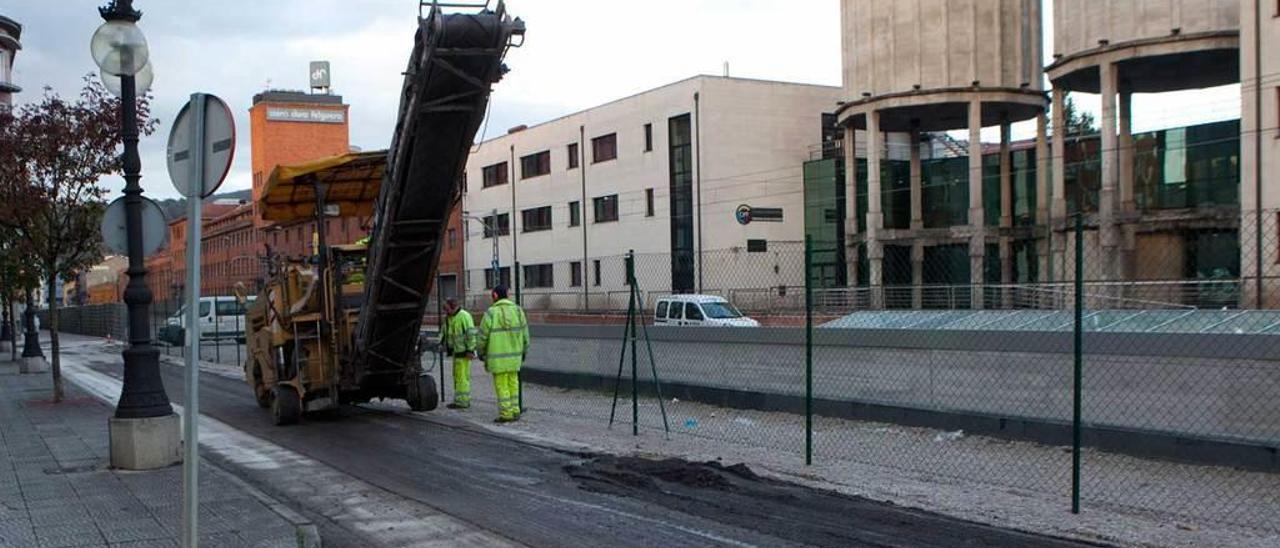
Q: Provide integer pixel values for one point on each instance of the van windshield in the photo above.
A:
(720, 310)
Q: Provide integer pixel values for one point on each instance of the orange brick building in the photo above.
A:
(230, 251)
(291, 127)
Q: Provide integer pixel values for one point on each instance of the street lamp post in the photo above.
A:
(32, 357)
(144, 431)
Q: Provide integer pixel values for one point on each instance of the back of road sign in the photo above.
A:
(219, 147)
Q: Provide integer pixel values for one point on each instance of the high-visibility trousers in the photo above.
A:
(462, 381)
(507, 386)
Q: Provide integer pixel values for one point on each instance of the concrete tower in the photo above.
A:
(914, 66)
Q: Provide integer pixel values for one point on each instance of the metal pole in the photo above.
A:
(631, 319)
(515, 277)
(30, 337)
(142, 392)
(190, 422)
(1078, 340)
(808, 350)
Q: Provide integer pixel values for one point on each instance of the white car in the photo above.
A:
(699, 310)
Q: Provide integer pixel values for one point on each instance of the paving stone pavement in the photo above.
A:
(57, 489)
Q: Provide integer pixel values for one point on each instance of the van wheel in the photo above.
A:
(286, 406)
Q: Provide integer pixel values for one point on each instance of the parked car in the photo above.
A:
(699, 310)
(220, 317)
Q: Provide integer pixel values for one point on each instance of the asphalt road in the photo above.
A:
(543, 497)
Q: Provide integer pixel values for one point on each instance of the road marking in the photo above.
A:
(386, 518)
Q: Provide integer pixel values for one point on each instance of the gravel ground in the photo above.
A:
(1126, 501)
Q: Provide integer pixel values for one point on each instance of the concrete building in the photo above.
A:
(10, 36)
(701, 177)
(1260, 153)
(912, 68)
(1171, 225)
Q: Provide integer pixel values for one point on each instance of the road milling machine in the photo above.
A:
(342, 325)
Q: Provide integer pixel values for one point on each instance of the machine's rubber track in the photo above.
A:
(456, 59)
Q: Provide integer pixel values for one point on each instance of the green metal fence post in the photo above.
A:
(808, 350)
(515, 276)
(631, 319)
(1078, 345)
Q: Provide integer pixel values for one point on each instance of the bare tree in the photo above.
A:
(54, 203)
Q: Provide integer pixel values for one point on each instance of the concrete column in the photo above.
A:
(1108, 197)
(1045, 235)
(875, 215)
(917, 223)
(977, 221)
(1058, 196)
(917, 193)
(851, 204)
(1128, 190)
(917, 274)
(1006, 214)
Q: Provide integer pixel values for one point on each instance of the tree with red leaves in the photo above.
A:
(50, 195)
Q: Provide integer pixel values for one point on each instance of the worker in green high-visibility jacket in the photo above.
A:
(503, 343)
(459, 336)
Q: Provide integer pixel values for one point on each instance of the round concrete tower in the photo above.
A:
(1115, 49)
(918, 66)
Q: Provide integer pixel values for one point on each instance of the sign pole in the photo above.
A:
(190, 419)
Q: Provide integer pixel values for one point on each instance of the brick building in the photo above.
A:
(291, 127)
(230, 251)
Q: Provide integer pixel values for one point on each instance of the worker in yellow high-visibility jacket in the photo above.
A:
(503, 343)
(459, 336)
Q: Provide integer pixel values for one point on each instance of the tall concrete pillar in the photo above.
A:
(1006, 215)
(1104, 263)
(851, 204)
(977, 218)
(1128, 187)
(1044, 236)
(917, 223)
(875, 215)
(917, 274)
(1058, 196)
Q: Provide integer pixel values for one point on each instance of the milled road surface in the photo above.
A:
(542, 497)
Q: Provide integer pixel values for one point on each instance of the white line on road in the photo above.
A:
(388, 519)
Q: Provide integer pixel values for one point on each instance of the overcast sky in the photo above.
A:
(578, 53)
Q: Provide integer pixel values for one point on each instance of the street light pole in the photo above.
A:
(144, 431)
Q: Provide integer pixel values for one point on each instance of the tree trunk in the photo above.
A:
(13, 330)
(55, 364)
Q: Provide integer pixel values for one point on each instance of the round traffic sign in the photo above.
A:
(115, 233)
(219, 145)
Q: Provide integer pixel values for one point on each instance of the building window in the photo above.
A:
(757, 246)
(575, 213)
(604, 148)
(534, 165)
(575, 274)
(453, 238)
(536, 219)
(503, 225)
(606, 208)
(573, 155)
(595, 277)
(504, 277)
(648, 202)
(648, 137)
(539, 275)
(494, 175)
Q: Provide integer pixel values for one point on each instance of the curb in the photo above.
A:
(306, 532)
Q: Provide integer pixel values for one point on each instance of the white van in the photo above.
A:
(219, 317)
(699, 310)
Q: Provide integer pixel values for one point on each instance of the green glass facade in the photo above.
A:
(945, 186)
(824, 214)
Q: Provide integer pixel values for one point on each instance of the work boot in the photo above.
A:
(457, 405)
(503, 420)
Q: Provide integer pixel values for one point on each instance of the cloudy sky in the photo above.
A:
(578, 53)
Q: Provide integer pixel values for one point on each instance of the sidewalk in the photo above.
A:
(57, 489)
